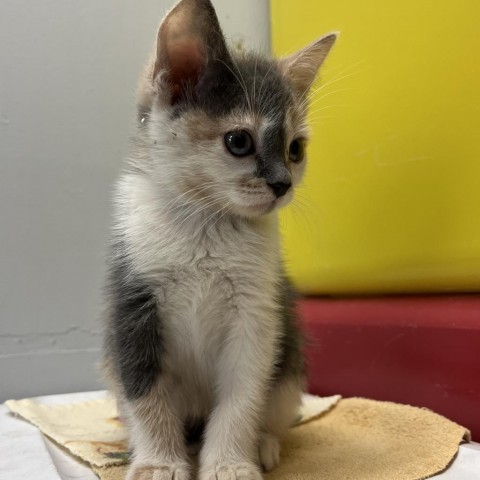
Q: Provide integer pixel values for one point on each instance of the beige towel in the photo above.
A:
(367, 440)
(358, 439)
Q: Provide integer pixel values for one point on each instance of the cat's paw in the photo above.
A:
(238, 471)
(269, 451)
(168, 471)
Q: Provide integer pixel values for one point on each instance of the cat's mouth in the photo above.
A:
(259, 208)
(268, 206)
(257, 201)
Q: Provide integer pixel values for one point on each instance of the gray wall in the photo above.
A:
(68, 70)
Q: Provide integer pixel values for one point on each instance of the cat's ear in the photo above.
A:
(188, 38)
(302, 67)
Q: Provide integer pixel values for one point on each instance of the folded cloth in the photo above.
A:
(332, 439)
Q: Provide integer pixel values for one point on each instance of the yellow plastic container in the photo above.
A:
(392, 195)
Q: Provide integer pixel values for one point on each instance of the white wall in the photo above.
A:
(68, 70)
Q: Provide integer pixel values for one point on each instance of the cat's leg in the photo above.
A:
(156, 436)
(288, 382)
(137, 368)
(231, 437)
(244, 368)
(280, 413)
(155, 429)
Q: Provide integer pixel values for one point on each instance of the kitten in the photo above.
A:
(200, 326)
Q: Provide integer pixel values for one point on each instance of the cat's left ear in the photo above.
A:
(189, 38)
(301, 68)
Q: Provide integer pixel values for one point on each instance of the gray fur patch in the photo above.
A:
(290, 361)
(247, 82)
(134, 338)
(271, 164)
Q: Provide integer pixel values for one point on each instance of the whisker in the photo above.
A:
(313, 92)
(254, 79)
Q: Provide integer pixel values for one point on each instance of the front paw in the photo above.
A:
(167, 471)
(236, 471)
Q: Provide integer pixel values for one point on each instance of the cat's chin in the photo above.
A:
(257, 209)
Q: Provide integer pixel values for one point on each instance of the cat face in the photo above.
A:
(228, 130)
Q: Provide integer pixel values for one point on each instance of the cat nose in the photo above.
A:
(280, 188)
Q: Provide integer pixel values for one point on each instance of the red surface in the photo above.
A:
(422, 351)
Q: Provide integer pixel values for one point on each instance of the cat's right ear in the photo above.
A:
(188, 38)
(301, 68)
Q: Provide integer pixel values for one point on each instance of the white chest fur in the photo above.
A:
(215, 282)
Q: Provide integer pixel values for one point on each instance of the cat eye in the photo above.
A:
(296, 151)
(239, 143)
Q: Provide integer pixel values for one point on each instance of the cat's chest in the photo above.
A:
(193, 290)
(203, 268)
(196, 306)
(208, 282)
(201, 301)
(206, 263)
(198, 245)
